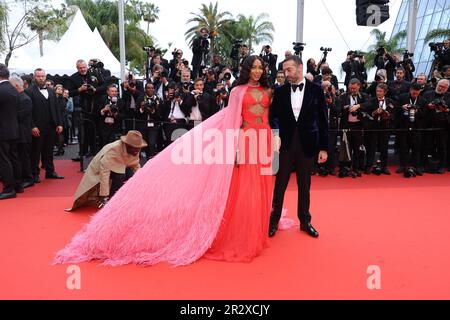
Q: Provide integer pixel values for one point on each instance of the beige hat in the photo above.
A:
(134, 139)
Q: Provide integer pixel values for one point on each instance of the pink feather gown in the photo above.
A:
(179, 211)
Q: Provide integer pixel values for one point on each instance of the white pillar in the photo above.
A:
(411, 32)
(122, 39)
(300, 19)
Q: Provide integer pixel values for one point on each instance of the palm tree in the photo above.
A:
(209, 17)
(39, 20)
(391, 45)
(438, 33)
(103, 15)
(3, 20)
(255, 30)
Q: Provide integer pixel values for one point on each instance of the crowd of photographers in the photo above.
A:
(93, 109)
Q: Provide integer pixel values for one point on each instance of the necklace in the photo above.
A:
(254, 86)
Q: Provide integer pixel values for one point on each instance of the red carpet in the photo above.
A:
(400, 225)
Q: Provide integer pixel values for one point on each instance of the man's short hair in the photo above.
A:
(296, 59)
(354, 81)
(445, 68)
(383, 86)
(416, 87)
(16, 79)
(326, 70)
(198, 80)
(38, 70)
(111, 86)
(400, 69)
(80, 61)
(4, 71)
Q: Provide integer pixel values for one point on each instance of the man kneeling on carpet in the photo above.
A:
(107, 172)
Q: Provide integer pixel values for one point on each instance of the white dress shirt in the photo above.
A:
(44, 92)
(297, 99)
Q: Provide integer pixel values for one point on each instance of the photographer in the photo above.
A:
(132, 95)
(333, 116)
(225, 78)
(151, 110)
(86, 86)
(199, 105)
(160, 81)
(410, 112)
(221, 97)
(422, 81)
(399, 85)
(186, 85)
(210, 80)
(200, 48)
(353, 116)
(380, 77)
(329, 76)
(382, 110)
(311, 67)
(383, 60)
(235, 55)
(438, 116)
(271, 59)
(217, 65)
(408, 65)
(287, 54)
(97, 69)
(177, 65)
(110, 115)
(354, 67)
(174, 118)
(441, 54)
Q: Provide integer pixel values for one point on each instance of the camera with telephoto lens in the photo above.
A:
(355, 54)
(298, 47)
(150, 105)
(113, 106)
(362, 115)
(436, 47)
(149, 49)
(381, 50)
(227, 76)
(438, 105)
(407, 55)
(97, 64)
(237, 44)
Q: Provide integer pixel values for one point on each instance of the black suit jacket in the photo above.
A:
(344, 102)
(312, 122)
(9, 101)
(24, 114)
(207, 105)
(39, 103)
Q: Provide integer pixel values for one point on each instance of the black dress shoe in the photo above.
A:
(19, 189)
(37, 179)
(53, 175)
(272, 229)
(27, 184)
(386, 171)
(7, 195)
(441, 171)
(367, 171)
(77, 159)
(309, 229)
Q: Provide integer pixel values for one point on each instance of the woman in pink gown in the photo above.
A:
(179, 207)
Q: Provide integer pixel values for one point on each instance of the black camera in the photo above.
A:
(407, 55)
(227, 76)
(326, 49)
(164, 74)
(176, 95)
(150, 105)
(148, 49)
(436, 46)
(97, 64)
(362, 115)
(328, 95)
(298, 47)
(113, 106)
(355, 54)
(346, 171)
(381, 50)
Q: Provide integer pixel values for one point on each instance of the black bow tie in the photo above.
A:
(43, 88)
(299, 86)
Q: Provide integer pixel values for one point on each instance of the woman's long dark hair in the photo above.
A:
(246, 68)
